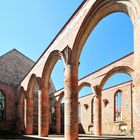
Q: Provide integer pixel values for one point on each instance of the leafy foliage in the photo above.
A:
(2, 105)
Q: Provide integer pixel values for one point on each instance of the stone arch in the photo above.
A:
(58, 114)
(120, 69)
(31, 85)
(30, 104)
(21, 94)
(53, 57)
(98, 11)
(84, 84)
(88, 105)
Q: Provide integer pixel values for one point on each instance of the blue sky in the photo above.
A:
(30, 26)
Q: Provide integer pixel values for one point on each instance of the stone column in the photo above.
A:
(44, 112)
(97, 111)
(58, 118)
(39, 112)
(71, 102)
(25, 113)
(136, 94)
(29, 118)
(20, 116)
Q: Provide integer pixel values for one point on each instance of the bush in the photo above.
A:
(131, 131)
(123, 131)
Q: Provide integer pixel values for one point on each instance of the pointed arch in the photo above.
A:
(33, 80)
(120, 69)
(84, 84)
(53, 57)
(98, 11)
(118, 105)
(30, 97)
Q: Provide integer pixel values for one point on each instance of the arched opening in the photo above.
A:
(57, 77)
(117, 97)
(63, 115)
(85, 109)
(36, 108)
(118, 106)
(2, 106)
(60, 117)
(31, 104)
(52, 122)
(104, 45)
(117, 79)
(53, 70)
(110, 40)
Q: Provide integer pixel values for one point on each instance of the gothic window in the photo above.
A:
(2, 106)
(118, 106)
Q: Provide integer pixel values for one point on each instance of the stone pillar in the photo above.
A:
(136, 94)
(25, 113)
(44, 112)
(29, 118)
(58, 118)
(97, 111)
(71, 102)
(20, 116)
(39, 112)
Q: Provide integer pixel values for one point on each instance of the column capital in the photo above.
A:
(41, 84)
(97, 90)
(73, 64)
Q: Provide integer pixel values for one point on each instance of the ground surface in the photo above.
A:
(60, 137)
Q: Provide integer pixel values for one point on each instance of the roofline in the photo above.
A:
(107, 65)
(57, 36)
(24, 55)
(18, 52)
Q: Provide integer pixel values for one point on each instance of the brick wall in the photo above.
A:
(109, 126)
(10, 107)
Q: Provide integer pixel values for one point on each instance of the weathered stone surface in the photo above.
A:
(73, 36)
(14, 67)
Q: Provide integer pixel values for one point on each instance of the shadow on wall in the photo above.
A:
(81, 129)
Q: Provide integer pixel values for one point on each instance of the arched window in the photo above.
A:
(2, 106)
(118, 106)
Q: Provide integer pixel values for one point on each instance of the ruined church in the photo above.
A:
(30, 104)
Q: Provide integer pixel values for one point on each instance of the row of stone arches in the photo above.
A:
(93, 12)
(27, 100)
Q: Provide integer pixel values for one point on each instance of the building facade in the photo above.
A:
(116, 119)
(67, 46)
(13, 68)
